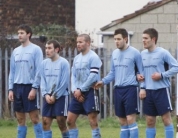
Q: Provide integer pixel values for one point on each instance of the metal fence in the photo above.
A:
(106, 93)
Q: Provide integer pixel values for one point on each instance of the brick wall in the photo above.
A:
(34, 12)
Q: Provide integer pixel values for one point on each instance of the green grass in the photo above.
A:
(109, 128)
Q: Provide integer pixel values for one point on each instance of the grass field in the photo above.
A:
(109, 128)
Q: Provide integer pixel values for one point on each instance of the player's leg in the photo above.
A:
(132, 125)
(120, 113)
(169, 128)
(22, 128)
(164, 107)
(61, 121)
(93, 119)
(75, 109)
(124, 132)
(59, 110)
(131, 104)
(47, 121)
(71, 122)
(19, 111)
(32, 107)
(150, 130)
(91, 106)
(150, 112)
(34, 116)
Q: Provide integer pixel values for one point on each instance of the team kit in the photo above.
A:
(137, 75)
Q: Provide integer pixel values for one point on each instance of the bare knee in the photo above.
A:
(46, 123)
(71, 119)
(123, 121)
(21, 118)
(70, 122)
(62, 124)
(131, 119)
(34, 117)
(166, 118)
(151, 121)
(93, 120)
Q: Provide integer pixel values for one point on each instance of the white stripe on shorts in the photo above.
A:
(138, 100)
(66, 105)
(168, 95)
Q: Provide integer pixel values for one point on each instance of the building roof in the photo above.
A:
(148, 7)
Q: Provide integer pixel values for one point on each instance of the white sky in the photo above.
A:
(91, 15)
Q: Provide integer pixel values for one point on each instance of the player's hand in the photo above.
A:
(32, 94)
(48, 99)
(81, 98)
(77, 94)
(53, 99)
(140, 77)
(98, 85)
(142, 94)
(156, 76)
(11, 96)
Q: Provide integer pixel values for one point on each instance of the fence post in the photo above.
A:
(6, 78)
(12, 109)
(1, 82)
(105, 86)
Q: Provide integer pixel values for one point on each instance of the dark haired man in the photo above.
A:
(55, 78)
(24, 64)
(159, 65)
(125, 64)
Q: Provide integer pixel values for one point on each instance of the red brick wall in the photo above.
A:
(34, 12)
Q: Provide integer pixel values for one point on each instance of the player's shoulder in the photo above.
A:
(133, 49)
(47, 60)
(93, 53)
(64, 60)
(35, 46)
(163, 52)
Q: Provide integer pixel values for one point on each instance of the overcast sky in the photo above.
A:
(94, 14)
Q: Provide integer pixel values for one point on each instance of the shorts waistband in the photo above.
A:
(122, 87)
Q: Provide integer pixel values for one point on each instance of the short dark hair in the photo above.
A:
(152, 33)
(55, 44)
(26, 28)
(121, 31)
(86, 37)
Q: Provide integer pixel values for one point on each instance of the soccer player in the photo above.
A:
(55, 78)
(24, 65)
(125, 64)
(85, 72)
(159, 66)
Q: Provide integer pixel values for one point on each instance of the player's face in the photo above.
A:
(82, 45)
(50, 51)
(148, 42)
(23, 36)
(120, 41)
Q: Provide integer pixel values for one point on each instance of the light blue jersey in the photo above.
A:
(85, 71)
(161, 61)
(24, 64)
(55, 77)
(124, 66)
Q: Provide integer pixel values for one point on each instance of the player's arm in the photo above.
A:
(173, 65)
(36, 83)
(111, 75)
(43, 82)
(11, 77)
(38, 60)
(73, 78)
(93, 76)
(64, 80)
(139, 66)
